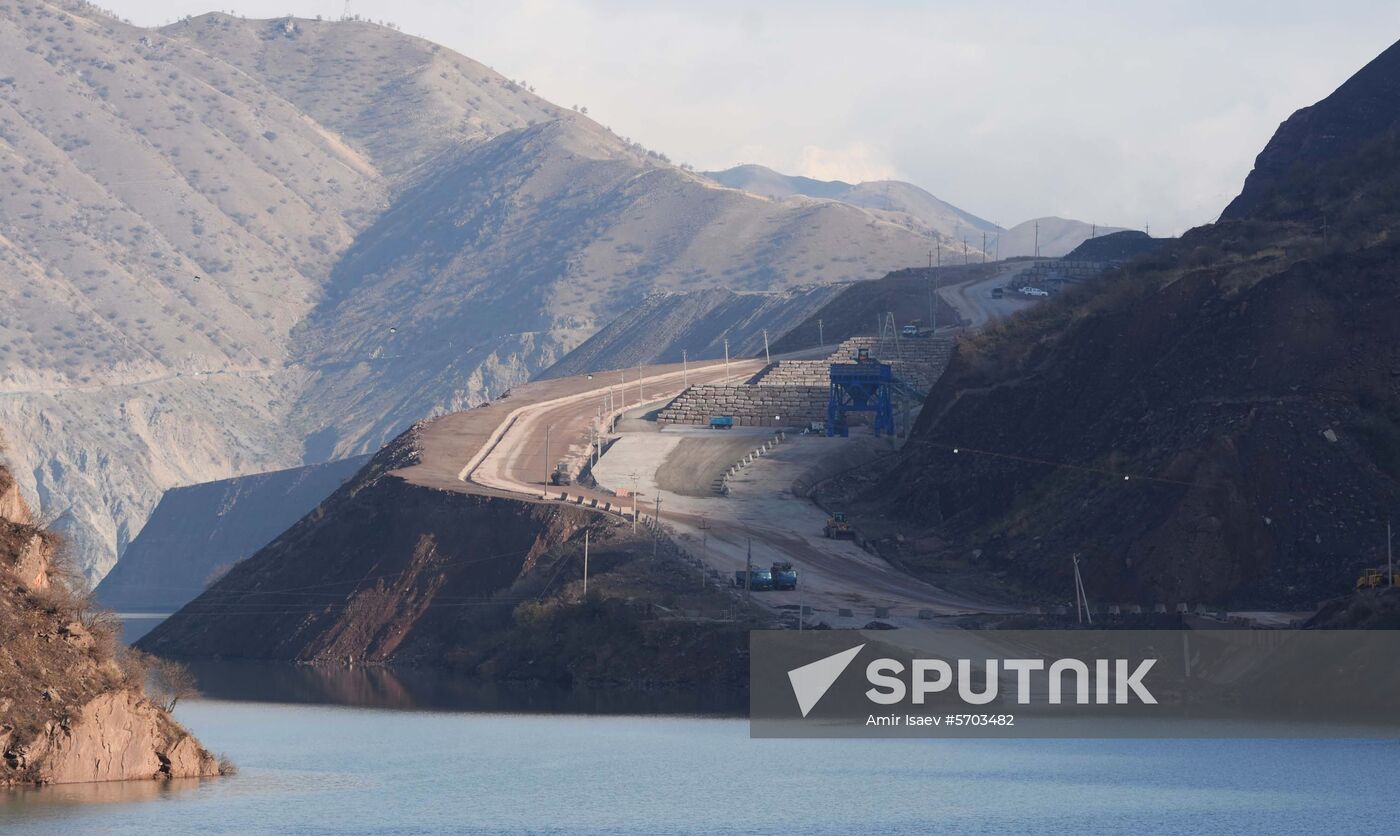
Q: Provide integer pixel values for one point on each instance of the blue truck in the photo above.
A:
(758, 579)
(784, 576)
(721, 422)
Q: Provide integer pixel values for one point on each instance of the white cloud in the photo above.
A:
(856, 163)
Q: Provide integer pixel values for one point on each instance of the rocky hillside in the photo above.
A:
(1219, 422)
(861, 306)
(388, 572)
(72, 709)
(1365, 107)
(231, 246)
(198, 532)
(666, 324)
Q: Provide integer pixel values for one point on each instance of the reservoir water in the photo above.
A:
(355, 751)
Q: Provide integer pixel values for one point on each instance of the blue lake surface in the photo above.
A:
(308, 768)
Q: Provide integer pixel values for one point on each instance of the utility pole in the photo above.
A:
(656, 525)
(821, 335)
(634, 502)
(1080, 595)
(930, 259)
(585, 563)
(767, 361)
(726, 361)
(546, 454)
(984, 248)
(1037, 239)
(685, 368)
(622, 384)
(641, 395)
(704, 547)
(964, 250)
(940, 253)
(800, 588)
(748, 573)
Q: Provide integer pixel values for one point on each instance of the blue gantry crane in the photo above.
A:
(860, 386)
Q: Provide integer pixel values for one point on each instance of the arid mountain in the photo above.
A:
(198, 532)
(1218, 422)
(1056, 237)
(894, 199)
(232, 246)
(957, 231)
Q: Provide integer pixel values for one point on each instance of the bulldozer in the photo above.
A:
(1374, 579)
(837, 526)
(561, 476)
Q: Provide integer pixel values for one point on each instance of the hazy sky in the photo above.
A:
(1123, 113)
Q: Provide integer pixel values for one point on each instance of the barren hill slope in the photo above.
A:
(233, 245)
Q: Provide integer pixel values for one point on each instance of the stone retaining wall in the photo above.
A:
(751, 406)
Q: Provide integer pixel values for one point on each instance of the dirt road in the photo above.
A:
(973, 300)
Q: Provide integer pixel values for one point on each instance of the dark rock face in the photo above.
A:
(1365, 107)
(1116, 246)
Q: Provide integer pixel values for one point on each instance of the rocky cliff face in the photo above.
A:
(70, 710)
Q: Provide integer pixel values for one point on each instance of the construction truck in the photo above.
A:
(756, 579)
(1374, 579)
(837, 526)
(721, 422)
(561, 476)
(784, 576)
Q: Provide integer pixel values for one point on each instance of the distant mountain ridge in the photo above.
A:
(955, 229)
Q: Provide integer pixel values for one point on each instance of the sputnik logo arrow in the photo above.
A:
(811, 681)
